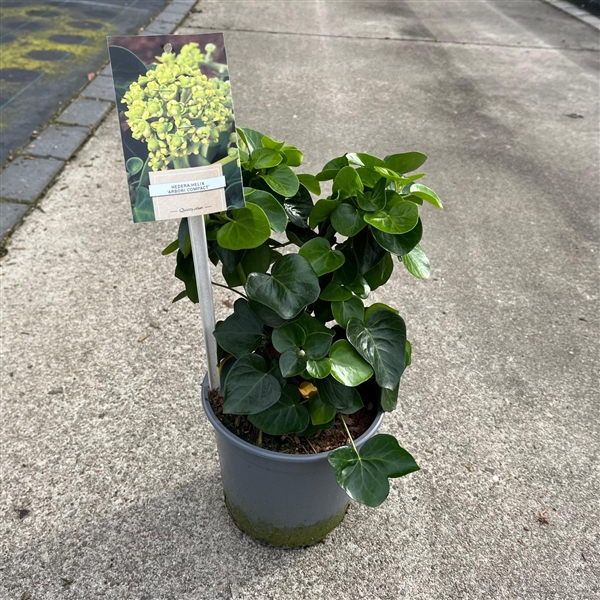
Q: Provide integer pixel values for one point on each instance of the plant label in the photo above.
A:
(177, 125)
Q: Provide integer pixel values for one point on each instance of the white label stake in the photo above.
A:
(205, 297)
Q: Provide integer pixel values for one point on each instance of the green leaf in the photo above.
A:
(364, 476)
(417, 263)
(286, 416)
(405, 162)
(172, 247)
(364, 160)
(381, 341)
(293, 156)
(311, 183)
(242, 332)
(267, 142)
(341, 397)
(368, 176)
(320, 413)
(321, 210)
(288, 338)
(311, 325)
(265, 158)
(349, 309)
(399, 244)
(143, 211)
(335, 292)
(347, 366)
(331, 169)
(134, 165)
(347, 180)
(291, 364)
(425, 193)
(370, 202)
(360, 287)
(282, 180)
(381, 273)
(389, 399)
(291, 286)
(371, 309)
(317, 345)
(271, 207)
(249, 388)
(299, 207)
(397, 218)
(321, 257)
(319, 369)
(347, 220)
(408, 361)
(268, 316)
(252, 138)
(249, 227)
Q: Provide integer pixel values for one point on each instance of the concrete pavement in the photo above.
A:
(110, 482)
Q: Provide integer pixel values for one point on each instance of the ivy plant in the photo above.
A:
(303, 337)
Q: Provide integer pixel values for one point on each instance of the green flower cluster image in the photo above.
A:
(177, 109)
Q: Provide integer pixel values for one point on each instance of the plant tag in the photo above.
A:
(177, 125)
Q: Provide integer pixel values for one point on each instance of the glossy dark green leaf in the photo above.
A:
(288, 338)
(417, 263)
(348, 181)
(291, 286)
(299, 235)
(286, 416)
(321, 257)
(405, 162)
(364, 476)
(335, 292)
(341, 397)
(347, 365)
(249, 227)
(317, 344)
(311, 325)
(242, 331)
(271, 207)
(299, 207)
(185, 272)
(282, 180)
(398, 217)
(370, 203)
(320, 413)
(291, 364)
(425, 193)
(349, 309)
(331, 169)
(368, 176)
(321, 210)
(381, 273)
(389, 399)
(265, 158)
(381, 341)
(360, 287)
(347, 220)
(249, 387)
(377, 306)
(311, 183)
(268, 316)
(367, 251)
(364, 160)
(319, 369)
(399, 244)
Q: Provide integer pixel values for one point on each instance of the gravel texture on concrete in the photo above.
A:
(110, 481)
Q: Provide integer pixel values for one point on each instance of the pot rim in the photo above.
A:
(270, 454)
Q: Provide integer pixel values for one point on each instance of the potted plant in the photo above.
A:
(307, 365)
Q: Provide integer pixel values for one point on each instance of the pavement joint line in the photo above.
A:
(575, 12)
(394, 39)
(103, 109)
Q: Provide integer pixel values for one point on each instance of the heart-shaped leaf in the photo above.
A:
(252, 138)
(286, 416)
(249, 388)
(299, 207)
(241, 333)
(348, 181)
(291, 286)
(321, 257)
(335, 292)
(319, 369)
(267, 142)
(265, 158)
(311, 183)
(268, 316)
(282, 180)
(288, 338)
(364, 476)
(291, 363)
(425, 193)
(381, 273)
(249, 227)
(317, 345)
(405, 162)
(331, 169)
(321, 210)
(397, 218)
(399, 244)
(368, 176)
(381, 341)
(347, 365)
(364, 160)
(348, 309)
(271, 207)
(293, 156)
(377, 306)
(320, 413)
(417, 263)
(347, 220)
(341, 397)
(134, 165)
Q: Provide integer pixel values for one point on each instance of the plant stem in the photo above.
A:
(226, 159)
(229, 288)
(259, 440)
(348, 432)
(241, 273)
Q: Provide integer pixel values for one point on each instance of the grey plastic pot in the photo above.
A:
(290, 500)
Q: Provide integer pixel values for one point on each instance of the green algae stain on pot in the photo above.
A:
(293, 537)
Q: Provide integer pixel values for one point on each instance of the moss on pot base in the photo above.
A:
(281, 537)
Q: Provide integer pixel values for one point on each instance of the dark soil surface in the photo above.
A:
(322, 441)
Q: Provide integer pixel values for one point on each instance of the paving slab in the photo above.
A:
(10, 215)
(158, 28)
(25, 179)
(100, 88)
(110, 480)
(58, 141)
(84, 111)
